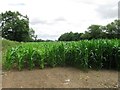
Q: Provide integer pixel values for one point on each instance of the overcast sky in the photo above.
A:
(51, 18)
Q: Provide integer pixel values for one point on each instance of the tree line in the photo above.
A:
(110, 31)
(15, 26)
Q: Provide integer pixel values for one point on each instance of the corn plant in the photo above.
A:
(95, 54)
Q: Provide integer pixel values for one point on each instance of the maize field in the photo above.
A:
(84, 54)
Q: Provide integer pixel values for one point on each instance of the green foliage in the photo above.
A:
(110, 31)
(95, 31)
(95, 54)
(70, 37)
(15, 26)
(6, 44)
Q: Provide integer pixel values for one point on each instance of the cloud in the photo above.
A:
(108, 11)
(16, 4)
(119, 9)
(36, 21)
(47, 36)
(86, 1)
(60, 19)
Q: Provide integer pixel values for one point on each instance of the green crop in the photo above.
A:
(95, 54)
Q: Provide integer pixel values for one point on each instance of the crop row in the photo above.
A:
(95, 54)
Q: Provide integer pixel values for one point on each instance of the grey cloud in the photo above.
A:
(119, 9)
(85, 2)
(16, 4)
(60, 19)
(37, 21)
(47, 36)
(107, 11)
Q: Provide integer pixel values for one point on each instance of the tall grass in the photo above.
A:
(95, 54)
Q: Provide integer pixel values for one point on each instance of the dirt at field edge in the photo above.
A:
(59, 77)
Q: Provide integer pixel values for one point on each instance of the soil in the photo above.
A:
(59, 77)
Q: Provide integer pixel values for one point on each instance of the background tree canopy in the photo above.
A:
(70, 36)
(110, 31)
(15, 26)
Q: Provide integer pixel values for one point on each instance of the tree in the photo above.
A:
(95, 31)
(77, 36)
(86, 35)
(15, 26)
(113, 29)
(70, 37)
(64, 37)
(110, 31)
(32, 34)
